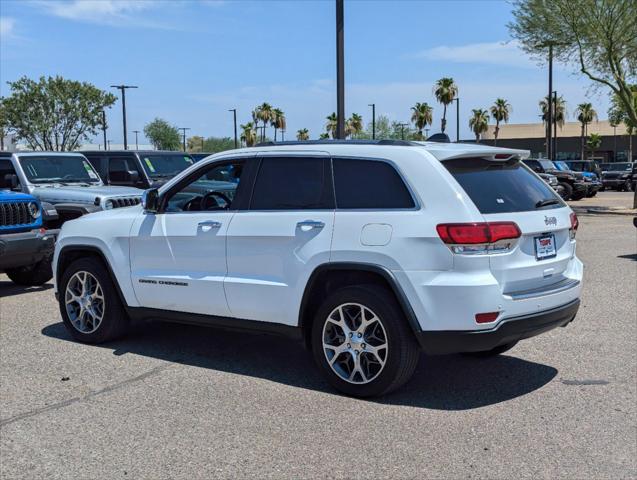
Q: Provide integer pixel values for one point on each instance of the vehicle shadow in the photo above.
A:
(451, 382)
(9, 289)
(630, 256)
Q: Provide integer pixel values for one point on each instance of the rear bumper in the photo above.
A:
(508, 330)
(615, 182)
(27, 248)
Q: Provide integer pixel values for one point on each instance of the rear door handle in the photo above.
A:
(309, 224)
(210, 224)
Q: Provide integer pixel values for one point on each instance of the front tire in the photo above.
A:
(362, 343)
(89, 302)
(567, 191)
(32, 275)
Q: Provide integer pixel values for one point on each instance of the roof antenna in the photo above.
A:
(439, 138)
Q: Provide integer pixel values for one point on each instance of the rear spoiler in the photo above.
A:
(451, 151)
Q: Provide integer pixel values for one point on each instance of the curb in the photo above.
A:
(626, 212)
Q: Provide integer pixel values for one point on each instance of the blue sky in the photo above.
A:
(194, 60)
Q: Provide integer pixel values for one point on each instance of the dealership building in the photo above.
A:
(532, 136)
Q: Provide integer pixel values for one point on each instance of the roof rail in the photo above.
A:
(401, 143)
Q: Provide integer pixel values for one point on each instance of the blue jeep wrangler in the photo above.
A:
(25, 246)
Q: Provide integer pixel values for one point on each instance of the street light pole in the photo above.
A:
(104, 127)
(123, 89)
(457, 119)
(402, 130)
(136, 144)
(550, 153)
(554, 148)
(373, 105)
(234, 115)
(340, 72)
(183, 129)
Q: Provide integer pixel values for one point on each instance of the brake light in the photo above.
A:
(477, 233)
(502, 156)
(574, 225)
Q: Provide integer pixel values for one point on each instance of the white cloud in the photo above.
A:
(107, 12)
(494, 53)
(7, 25)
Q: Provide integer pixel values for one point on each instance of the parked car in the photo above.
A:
(573, 186)
(619, 175)
(361, 249)
(593, 184)
(552, 181)
(26, 248)
(66, 180)
(585, 166)
(138, 168)
(200, 156)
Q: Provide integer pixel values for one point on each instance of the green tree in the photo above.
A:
(54, 113)
(330, 126)
(500, 111)
(599, 36)
(218, 144)
(324, 136)
(421, 116)
(277, 120)
(303, 134)
(559, 110)
(264, 113)
(354, 125)
(585, 114)
(163, 135)
(248, 134)
(195, 143)
(479, 122)
(594, 142)
(4, 124)
(445, 91)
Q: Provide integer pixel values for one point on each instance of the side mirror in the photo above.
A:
(11, 180)
(133, 176)
(150, 200)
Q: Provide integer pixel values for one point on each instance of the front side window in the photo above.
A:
(211, 189)
(58, 169)
(292, 183)
(165, 165)
(496, 187)
(369, 184)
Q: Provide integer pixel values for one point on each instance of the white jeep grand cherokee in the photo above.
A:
(368, 251)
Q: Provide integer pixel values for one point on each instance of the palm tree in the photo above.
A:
(303, 134)
(445, 91)
(354, 125)
(330, 126)
(559, 110)
(249, 135)
(585, 115)
(324, 136)
(277, 120)
(264, 113)
(422, 115)
(500, 111)
(479, 122)
(594, 142)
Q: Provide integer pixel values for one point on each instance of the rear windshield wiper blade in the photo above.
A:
(546, 202)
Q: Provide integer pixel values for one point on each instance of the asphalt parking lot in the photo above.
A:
(173, 401)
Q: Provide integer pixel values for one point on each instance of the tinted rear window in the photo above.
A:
(293, 183)
(501, 187)
(369, 184)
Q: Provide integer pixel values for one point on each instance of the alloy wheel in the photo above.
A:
(84, 299)
(355, 343)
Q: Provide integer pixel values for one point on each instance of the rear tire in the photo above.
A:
(577, 196)
(364, 360)
(89, 302)
(628, 186)
(32, 275)
(567, 191)
(493, 352)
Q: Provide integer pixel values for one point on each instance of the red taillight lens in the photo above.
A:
(486, 317)
(476, 233)
(574, 221)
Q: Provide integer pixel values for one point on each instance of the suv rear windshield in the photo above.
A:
(502, 187)
(617, 167)
(161, 165)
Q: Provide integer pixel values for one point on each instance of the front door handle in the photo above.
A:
(310, 224)
(210, 224)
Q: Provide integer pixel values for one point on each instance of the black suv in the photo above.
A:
(138, 168)
(619, 175)
(573, 186)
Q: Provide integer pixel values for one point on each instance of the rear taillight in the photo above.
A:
(481, 237)
(574, 225)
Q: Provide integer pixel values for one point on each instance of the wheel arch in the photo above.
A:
(328, 277)
(70, 253)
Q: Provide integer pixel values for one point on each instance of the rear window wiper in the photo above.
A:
(546, 202)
